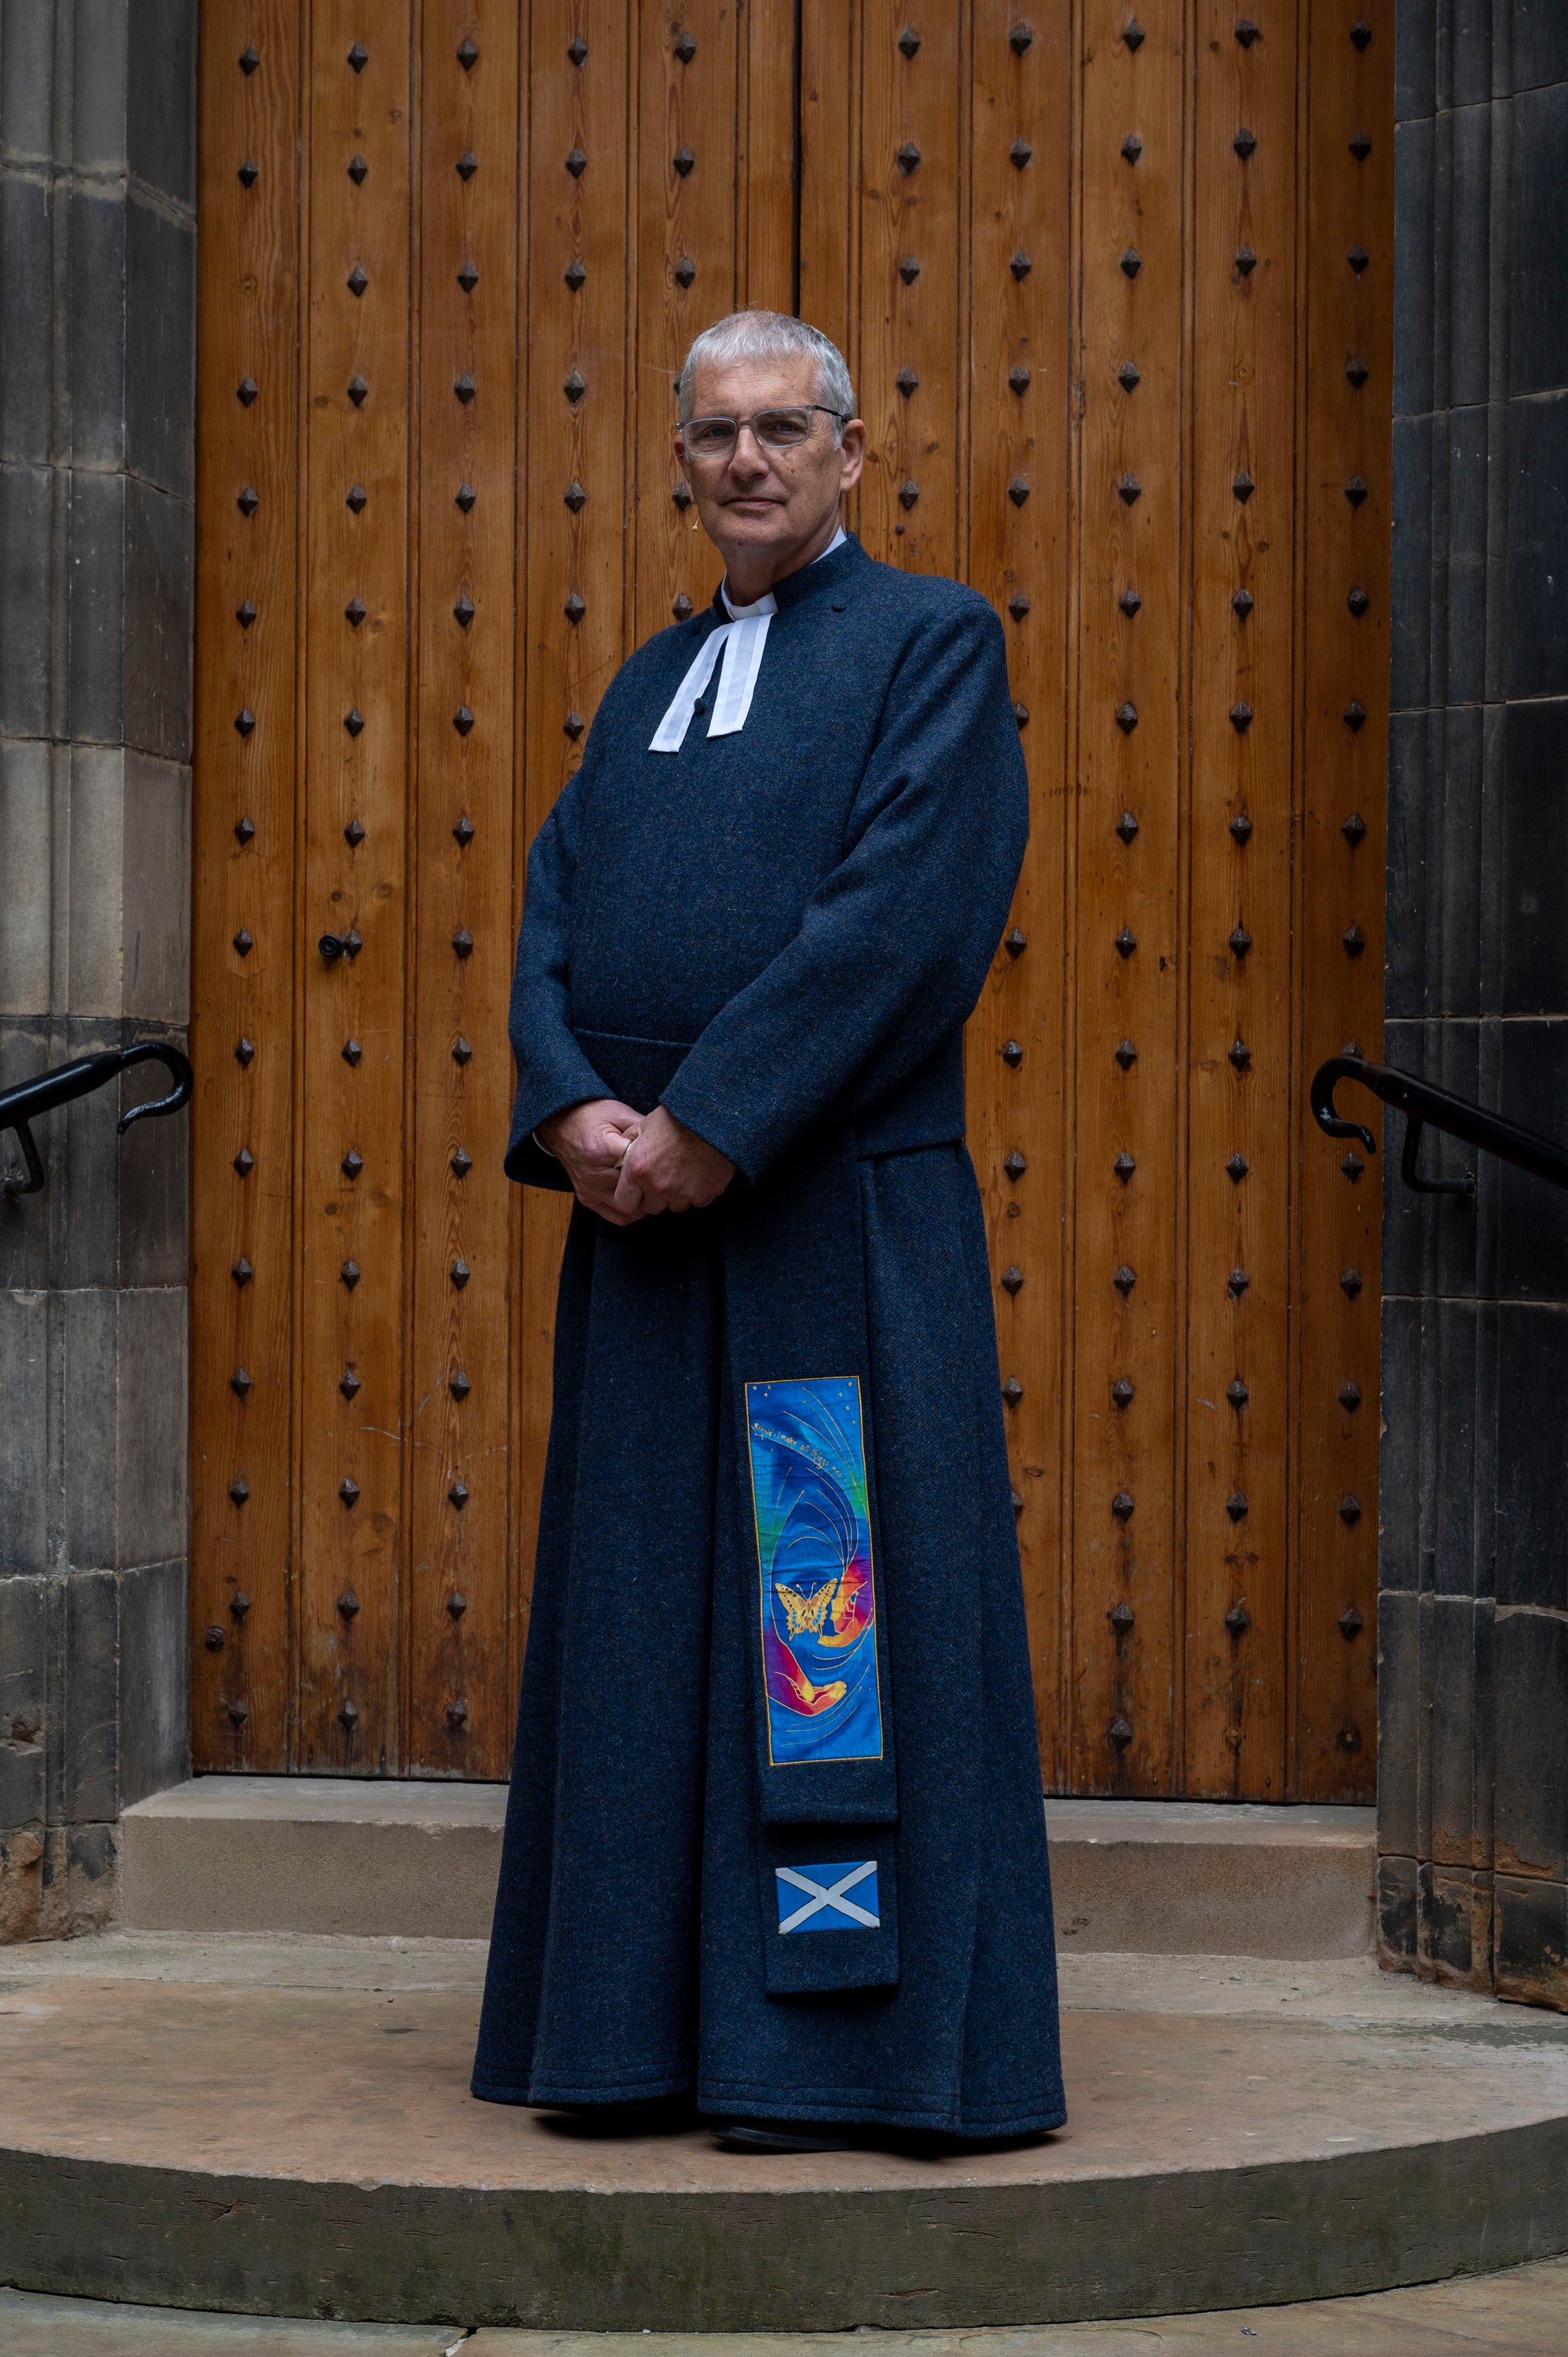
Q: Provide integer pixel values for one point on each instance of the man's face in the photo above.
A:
(757, 502)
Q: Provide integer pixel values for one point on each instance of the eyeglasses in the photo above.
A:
(776, 429)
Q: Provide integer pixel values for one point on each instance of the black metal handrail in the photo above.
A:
(1420, 1104)
(21, 1104)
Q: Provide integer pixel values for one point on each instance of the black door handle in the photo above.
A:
(336, 945)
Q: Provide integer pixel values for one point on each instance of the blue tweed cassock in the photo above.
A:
(775, 1834)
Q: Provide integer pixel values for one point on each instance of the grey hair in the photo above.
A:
(771, 336)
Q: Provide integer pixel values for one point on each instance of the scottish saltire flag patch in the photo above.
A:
(817, 1595)
(828, 1897)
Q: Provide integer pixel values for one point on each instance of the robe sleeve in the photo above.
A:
(552, 1070)
(897, 939)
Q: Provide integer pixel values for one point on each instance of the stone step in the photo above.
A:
(418, 1860)
(283, 2127)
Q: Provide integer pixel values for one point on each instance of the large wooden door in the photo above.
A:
(1117, 299)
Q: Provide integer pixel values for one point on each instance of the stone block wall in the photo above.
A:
(97, 353)
(1474, 1614)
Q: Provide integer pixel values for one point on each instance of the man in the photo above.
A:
(775, 1836)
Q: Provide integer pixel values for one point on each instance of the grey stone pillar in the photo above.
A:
(1473, 1802)
(97, 327)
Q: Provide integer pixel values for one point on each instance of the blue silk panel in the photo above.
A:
(817, 1591)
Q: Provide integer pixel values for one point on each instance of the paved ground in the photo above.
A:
(1241, 2128)
(1521, 2314)
(301, 2058)
(1339, 1988)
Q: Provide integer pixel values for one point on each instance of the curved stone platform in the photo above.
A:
(284, 2129)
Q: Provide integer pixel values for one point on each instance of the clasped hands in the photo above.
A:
(626, 1166)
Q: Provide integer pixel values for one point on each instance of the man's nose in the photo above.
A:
(749, 455)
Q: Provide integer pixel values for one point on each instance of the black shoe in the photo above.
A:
(784, 2136)
(654, 2116)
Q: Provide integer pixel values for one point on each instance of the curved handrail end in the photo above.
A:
(175, 1063)
(1338, 1068)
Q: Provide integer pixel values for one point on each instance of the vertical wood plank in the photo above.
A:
(1238, 1045)
(689, 260)
(351, 1053)
(1349, 360)
(655, 234)
(829, 135)
(765, 156)
(241, 961)
(581, 279)
(1018, 455)
(459, 1701)
(1126, 1563)
(910, 284)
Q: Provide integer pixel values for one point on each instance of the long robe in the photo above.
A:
(778, 934)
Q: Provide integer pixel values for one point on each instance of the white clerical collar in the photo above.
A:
(740, 642)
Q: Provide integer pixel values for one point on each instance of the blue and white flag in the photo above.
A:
(816, 1898)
